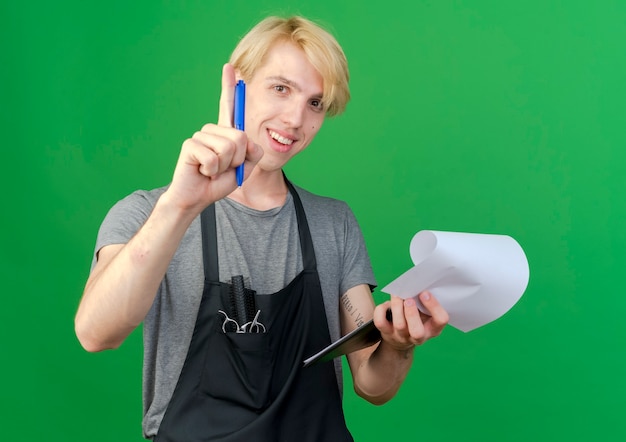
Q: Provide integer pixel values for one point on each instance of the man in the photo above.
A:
(167, 258)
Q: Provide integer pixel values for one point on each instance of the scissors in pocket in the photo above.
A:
(253, 326)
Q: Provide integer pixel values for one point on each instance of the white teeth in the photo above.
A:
(279, 138)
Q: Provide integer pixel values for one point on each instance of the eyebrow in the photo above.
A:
(291, 83)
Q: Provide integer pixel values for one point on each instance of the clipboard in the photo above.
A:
(363, 336)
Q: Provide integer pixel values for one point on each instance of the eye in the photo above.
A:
(280, 88)
(317, 104)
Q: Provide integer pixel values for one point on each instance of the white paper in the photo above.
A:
(476, 277)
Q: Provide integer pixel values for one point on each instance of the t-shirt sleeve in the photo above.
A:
(123, 220)
(357, 268)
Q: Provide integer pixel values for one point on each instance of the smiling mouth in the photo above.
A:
(280, 139)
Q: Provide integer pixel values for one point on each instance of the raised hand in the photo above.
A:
(205, 171)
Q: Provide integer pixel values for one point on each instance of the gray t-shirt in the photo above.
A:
(261, 245)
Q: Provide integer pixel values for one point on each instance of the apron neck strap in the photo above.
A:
(209, 244)
(306, 242)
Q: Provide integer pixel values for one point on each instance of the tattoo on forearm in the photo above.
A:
(352, 311)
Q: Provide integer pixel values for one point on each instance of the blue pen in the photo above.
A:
(240, 116)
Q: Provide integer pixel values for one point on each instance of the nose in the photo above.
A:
(294, 113)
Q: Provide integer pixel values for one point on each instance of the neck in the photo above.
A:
(262, 190)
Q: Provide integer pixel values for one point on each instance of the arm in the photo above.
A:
(379, 371)
(125, 280)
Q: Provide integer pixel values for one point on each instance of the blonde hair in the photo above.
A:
(320, 47)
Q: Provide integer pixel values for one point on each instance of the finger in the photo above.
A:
(231, 144)
(414, 320)
(438, 315)
(397, 311)
(201, 158)
(227, 97)
(380, 318)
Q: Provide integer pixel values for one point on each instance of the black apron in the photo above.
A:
(243, 387)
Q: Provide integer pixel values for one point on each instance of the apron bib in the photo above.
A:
(242, 387)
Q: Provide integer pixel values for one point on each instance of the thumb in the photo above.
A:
(254, 152)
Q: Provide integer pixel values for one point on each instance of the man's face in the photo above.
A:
(284, 105)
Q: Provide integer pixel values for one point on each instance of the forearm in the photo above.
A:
(380, 373)
(380, 376)
(121, 290)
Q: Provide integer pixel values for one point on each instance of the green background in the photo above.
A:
(474, 116)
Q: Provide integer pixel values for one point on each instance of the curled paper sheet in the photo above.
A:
(476, 277)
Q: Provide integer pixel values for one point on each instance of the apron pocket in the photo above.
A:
(241, 370)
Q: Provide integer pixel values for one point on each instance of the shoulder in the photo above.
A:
(128, 214)
(329, 217)
(137, 204)
(322, 205)
(142, 198)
